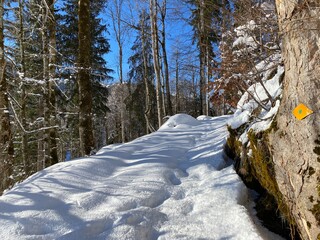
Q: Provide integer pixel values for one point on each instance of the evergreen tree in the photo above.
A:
(6, 149)
(67, 44)
(206, 22)
(141, 77)
(84, 81)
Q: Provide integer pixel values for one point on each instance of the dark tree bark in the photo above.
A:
(6, 147)
(147, 111)
(165, 59)
(155, 52)
(24, 137)
(84, 82)
(44, 144)
(53, 151)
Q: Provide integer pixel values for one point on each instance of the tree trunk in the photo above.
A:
(202, 56)
(165, 59)
(177, 83)
(41, 164)
(84, 82)
(296, 144)
(155, 53)
(6, 147)
(53, 151)
(117, 26)
(45, 75)
(24, 138)
(145, 78)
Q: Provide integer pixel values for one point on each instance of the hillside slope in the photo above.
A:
(172, 184)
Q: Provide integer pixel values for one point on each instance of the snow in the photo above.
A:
(171, 184)
(247, 105)
(244, 35)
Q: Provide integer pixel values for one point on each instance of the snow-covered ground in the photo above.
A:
(171, 184)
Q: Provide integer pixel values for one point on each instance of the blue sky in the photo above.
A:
(177, 31)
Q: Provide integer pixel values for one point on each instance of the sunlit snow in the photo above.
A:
(171, 184)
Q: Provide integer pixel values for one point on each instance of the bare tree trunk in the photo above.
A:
(84, 82)
(41, 164)
(53, 148)
(24, 137)
(202, 56)
(49, 60)
(155, 53)
(177, 83)
(163, 98)
(145, 78)
(165, 59)
(45, 75)
(6, 147)
(194, 86)
(207, 81)
(296, 144)
(117, 27)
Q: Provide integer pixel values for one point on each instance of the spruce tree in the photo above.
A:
(206, 21)
(84, 81)
(141, 77)
(6, 149)
(67, 44)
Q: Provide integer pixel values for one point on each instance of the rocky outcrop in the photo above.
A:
(295, 144)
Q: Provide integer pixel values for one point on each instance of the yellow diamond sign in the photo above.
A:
(301, 111)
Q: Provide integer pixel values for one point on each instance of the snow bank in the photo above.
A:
(180, 121)
(165, 185)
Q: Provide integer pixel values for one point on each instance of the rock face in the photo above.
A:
(295, 144)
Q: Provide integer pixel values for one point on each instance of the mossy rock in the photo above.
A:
(263, 170)
(233, 146)
(257, 172)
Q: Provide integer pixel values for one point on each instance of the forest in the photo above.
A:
(78, 75)
(58, 92)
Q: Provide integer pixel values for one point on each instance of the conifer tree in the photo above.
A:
(6, 148)
(141, 76)
(67, 44)
(84, 81)
(206, 26)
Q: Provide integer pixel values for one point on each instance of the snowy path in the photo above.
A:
(172, 184)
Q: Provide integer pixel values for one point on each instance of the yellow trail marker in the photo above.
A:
(301, 111)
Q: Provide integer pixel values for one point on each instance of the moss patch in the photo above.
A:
(311, 171)
(257, 172)
(309, 225)
(233, 145)
(316, 208)
(316, 150)
(263, 170)
(316, 212)
(311, 199)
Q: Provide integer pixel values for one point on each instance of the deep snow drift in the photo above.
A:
(172, 184)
